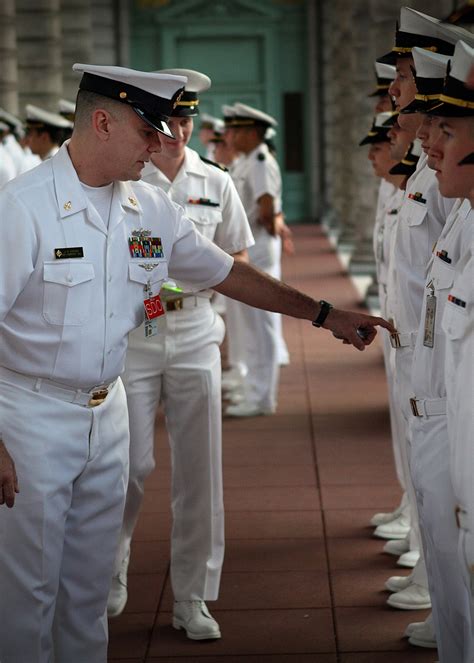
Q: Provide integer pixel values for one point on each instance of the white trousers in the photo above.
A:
(436, 505)
(181, 368)
(58, 542)
(403, 360)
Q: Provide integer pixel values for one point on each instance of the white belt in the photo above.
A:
(429, 407)
(188, 302)
(91, 398)
(403, 340)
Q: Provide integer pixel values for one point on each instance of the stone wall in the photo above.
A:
(41, 39)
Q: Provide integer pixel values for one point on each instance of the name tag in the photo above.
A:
(430, 317)
(69, 252)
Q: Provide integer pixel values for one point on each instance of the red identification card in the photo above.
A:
(153, 307)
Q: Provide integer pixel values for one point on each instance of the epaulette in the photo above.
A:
(214, 163)
(261, 157)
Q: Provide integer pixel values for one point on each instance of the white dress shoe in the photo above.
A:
(421, 634)
(383, 518)
(245, 409)
(414, 597)
(118, 595)
(409, 559)
(395, 529)
(396, 547)
(397, 583)
(196, 620)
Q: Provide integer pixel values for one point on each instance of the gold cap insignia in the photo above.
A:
(67, 206)
(123, 95)
(132, 201)
(178, 99)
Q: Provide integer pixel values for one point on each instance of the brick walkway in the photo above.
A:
(303, 578)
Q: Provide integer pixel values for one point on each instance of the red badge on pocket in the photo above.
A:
(153, 307)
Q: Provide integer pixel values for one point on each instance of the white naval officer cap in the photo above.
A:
(152, 96)
(14, 123)
(207, 121)
(67, 109)
(430, 71)
(378, 132)
(38, 118)
(247, 116)
(188, 104)
(418, 29)
(385, 74)
(4, 126)
(456, 98)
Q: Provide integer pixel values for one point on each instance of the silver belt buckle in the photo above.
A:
(414, 408)
(395, 340)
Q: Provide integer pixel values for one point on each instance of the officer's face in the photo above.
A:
(379, 155)
(428, 134)
(399, 142)
(132, 142)
(38, 141)
(403, 88)
(454, 142)
(182, 128)
(383, 104)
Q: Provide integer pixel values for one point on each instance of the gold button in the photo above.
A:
(68, 205)
(132, 201)
(123, 95)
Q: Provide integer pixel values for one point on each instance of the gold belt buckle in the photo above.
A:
(395, 340)
(174, 304)
(414, 408)
(98, 397)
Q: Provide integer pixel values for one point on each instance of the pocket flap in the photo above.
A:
(455, 322)
(443, 275)
(203, 215)
(68, 273)
(417, 214)
(141, 275)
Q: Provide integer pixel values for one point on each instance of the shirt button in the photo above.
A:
(110, 278)
(69, 279)
(111, 315)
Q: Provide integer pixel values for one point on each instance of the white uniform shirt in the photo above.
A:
(209, 199)
(422, 216)
(428, 372)
(15, 151)
(388, 207)
(256, 174)
(7, 167)
(68, 319)
(458, 325)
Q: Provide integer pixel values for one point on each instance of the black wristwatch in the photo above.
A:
(323, 313)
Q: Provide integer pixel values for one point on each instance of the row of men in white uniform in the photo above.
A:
(423, 240)
(24, 145)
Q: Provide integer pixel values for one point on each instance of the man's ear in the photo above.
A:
(101, 123)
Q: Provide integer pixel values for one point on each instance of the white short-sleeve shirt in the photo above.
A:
(67, 319)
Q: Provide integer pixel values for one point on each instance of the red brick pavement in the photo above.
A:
(303, 577)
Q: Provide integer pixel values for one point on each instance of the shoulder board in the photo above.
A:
(214, 163)
(261, 157)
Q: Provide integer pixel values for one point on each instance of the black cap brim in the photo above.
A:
(403, 168)
(154, 121)
(444, 109)
(380, 137)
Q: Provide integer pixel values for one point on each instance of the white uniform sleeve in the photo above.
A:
(265, 179)
(233, 234)
(18, 248)
(195, 259)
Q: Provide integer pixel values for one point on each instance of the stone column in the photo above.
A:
(8, 58)
(38, 28)
(76, 30)
(105, 21)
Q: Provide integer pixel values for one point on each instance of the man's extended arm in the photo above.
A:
(249, 285)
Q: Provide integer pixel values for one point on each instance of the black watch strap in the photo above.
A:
(323, 313)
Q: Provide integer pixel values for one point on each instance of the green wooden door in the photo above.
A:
(254, 53)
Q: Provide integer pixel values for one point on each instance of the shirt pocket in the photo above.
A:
(455, 322)
(442, 275)
(206, 219)
(153, 275)
(67, 293)
(419, 248)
